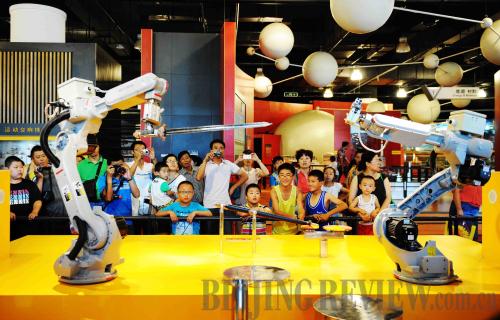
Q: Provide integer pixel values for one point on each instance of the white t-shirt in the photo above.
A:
(174, 184)
(159, 196)
(217, 183)
(335, 189)
(143, 178)
(368, 206)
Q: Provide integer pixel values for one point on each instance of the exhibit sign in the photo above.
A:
(448, 93)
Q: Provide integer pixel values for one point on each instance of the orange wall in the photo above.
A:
(244, 89)
(276, 113)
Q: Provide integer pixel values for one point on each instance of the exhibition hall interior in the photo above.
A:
(251, 159)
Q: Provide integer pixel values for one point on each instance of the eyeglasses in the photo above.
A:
(185, 192)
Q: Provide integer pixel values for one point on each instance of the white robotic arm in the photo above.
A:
(93, 256)
(464, 150)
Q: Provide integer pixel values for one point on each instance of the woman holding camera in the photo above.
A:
(254, 174)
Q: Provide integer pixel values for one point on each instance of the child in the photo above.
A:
(274, 180)
(25, 199)
(185, 207)
(161, 195)
(331, 187)
(285, 197)
(366, 205)
(254, 174)
(318, 202)
(334, 164)
(252, 193)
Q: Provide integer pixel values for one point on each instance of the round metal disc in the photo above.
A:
(323, 234)
(256, 273)
(355, 307)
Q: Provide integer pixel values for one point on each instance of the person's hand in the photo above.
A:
(323, 217)
(12, 216)
(374, 214)
(32, 216)
(190, 217)
(110, 171)
(209, 156)
(366, 218)
(362, 212)
(255, 157)
(460, 212)
(152, 154)
(38, 174)
(170, 193)
(231, 190)
(239, 159)
(126, 175)
(173, 216)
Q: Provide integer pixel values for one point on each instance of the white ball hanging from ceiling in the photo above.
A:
(375, 107)
(319, 69)
(361, 16)
(276, 40)
(262, 85)
(431, 61)
(420, 109)
(282, 63)
(490, 44)
(460, 103)
(449, 74)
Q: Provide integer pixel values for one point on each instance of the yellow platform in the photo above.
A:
(165, 277)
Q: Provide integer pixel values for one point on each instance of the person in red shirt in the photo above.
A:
(304, 158)
(466, 202)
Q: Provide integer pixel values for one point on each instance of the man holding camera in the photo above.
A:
(117, 189)
(40, 172)
(90, 169)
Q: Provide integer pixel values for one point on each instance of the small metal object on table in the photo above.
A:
(243, 276)
(355, 307)
(323, 237)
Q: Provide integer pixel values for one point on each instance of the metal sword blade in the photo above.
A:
(217, 127)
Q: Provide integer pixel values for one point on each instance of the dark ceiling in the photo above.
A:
(115, 25)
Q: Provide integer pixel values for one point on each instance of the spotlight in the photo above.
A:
(401, 93)
(403, 46)
(328, 93)
(356, 75)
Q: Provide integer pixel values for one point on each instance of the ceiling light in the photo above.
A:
(481, 93)
(401, 93)
(403, 46)
(356, 75)
(138, 42)
(328, 93)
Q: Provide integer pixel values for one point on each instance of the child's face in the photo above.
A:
(367, 186)
(16, 170)
(329, 175)
(253, 196)
(313, 183)
(163, 173)
(277, 164)
(304, 162)
(285, 177)
(185, 193)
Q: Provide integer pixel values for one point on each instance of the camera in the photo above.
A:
(247, 157)
(217, 154)
(145, 152)
(119, 170)
(41, 169)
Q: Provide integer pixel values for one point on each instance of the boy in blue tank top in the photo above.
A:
(317, 201)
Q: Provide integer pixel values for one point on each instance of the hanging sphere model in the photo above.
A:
(449, 74)
(361, 16)
(282, 63)
(460, 103)
(276, 40)
(420, 109)
(318, 125)
(431, 61)
(375, 107)
(319, 69)
(262, 87)
(490, 44)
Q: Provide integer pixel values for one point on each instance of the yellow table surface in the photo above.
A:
(176, 266)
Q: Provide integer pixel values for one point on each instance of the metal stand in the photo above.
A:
(323, 237)
(243, 276)
(355, 307)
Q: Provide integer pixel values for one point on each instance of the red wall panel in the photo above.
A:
(276, 113)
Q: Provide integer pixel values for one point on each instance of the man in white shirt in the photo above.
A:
(141, 170)
(217, 171)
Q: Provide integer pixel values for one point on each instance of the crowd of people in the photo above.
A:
(178, 187)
